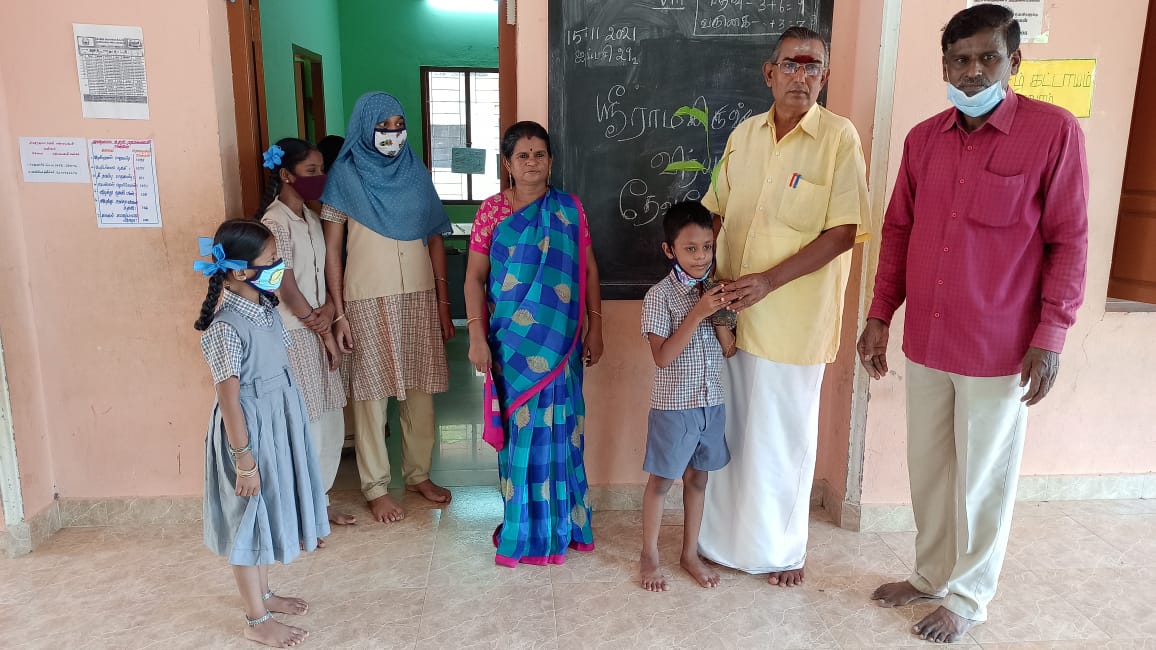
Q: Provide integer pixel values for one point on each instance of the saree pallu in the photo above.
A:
(534, 410)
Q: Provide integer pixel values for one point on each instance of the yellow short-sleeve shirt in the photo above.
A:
(775, 197)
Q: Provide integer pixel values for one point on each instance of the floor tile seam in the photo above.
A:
(1038, 577)
(1098, 536)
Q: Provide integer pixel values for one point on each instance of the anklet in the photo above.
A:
(254, 622)
(267, 595)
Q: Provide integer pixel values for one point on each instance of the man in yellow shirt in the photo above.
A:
(791, 194)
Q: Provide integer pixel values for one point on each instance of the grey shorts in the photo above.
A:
(685, 438)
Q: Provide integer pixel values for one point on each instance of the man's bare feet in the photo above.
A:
(898, 594)
(286, 605)
(340, 518)
(702, 574)
(276, 634)
(790, 578)
(430, 491)
(650, 573)
(943, 626)
(386, 510)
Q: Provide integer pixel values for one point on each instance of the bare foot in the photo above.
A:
(430, 491)
(898, 594)
(702, 574)
(341, 518)
(650, 573)
(275, 634)
(320, 543)
(790, 578)
(286, 605)
(943, 626)
(386, 510)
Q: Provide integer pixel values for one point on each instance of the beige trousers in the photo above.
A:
(418, 431)
(328, 438)
(965, 440)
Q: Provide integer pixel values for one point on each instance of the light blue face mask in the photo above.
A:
(688, 279)
(268, 277)
(978, 104)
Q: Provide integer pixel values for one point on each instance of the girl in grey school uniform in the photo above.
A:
(264, 498)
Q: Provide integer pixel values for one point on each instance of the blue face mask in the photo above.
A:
(268, 277)
(978, 104)
(688, 279)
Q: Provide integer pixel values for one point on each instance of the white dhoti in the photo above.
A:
(756, 513)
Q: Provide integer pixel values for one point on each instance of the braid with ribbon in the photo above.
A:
(245, 240)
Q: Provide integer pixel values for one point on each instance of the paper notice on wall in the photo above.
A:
(54, 160)
(1067, 83)
(111, 64)
(124, 183)
(1029, 13)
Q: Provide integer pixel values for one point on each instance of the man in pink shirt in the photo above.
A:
(985, 239)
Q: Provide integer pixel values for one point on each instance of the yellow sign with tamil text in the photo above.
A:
(1067, 83)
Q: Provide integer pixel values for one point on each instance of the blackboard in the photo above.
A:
(619, 70)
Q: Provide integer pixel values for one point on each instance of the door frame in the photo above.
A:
(248, 99)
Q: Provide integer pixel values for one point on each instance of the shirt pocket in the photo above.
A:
(999, 200)
(803, 207)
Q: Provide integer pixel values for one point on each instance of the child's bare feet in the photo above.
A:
(702, 574)
(276, 634)
(340, 518)
(790, 578)
(286, 605)
(650, 573)
(431, 491)
(386, 510)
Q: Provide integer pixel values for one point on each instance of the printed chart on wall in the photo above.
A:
(620, 70)
(124, 183)
(110, 62)
(1029, 14)
(54, 160)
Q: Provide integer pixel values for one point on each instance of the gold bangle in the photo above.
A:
(444, 302)
(338, 318)
(437, 279)
(470, 320)
(596, 313)
(247, 473)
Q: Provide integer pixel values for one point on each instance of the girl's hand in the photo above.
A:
(593, 345)
(320, 319)
(711, 301)
(332, 351)
(249, 486)
(447, 322)
(344, 335)
(480, 355)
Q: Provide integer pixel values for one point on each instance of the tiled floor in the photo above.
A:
(1079, 575)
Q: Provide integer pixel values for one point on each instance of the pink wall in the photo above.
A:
(1098, 417)
(109, 391)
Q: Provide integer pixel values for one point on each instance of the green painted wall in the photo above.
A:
(313, 25)
(384, 43)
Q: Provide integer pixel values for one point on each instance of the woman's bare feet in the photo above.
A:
(650, 573)
(431, 491)
(340, 518)
(286, 605)
(898, 594)
(276, 634)
(702, 574)
(386, 510)
(943, 626)
(790, 578)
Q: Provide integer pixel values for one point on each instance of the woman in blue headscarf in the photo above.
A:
(393, 309)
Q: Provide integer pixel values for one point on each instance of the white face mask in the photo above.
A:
(389, 143)
(978, 104)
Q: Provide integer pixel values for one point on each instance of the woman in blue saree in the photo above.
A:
(534, 304)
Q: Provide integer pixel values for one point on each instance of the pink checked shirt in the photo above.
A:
(986, 238)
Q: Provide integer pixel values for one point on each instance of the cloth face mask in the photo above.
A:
(978, 104)
(389, 143)
(268, 278)
(688, 279)
(310, 187)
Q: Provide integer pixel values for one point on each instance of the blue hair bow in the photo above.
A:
(273, 157)
(219, 263)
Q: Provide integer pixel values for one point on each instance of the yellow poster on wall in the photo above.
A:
(1064, 82)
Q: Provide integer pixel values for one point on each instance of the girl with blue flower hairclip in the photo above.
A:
(264, 500)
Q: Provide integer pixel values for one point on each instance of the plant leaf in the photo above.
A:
(714, 175)
(685, 166)
(697, 113)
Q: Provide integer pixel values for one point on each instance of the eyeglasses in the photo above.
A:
(791, 67)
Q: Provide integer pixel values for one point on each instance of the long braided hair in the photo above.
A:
(242, 240)
(296, 151)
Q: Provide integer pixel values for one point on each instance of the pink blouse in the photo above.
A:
(493, 211)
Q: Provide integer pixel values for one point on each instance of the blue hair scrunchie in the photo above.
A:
(220, 263)
(273, 157)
